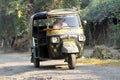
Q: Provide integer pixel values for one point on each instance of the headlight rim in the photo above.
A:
(57, 39)
(83, 38)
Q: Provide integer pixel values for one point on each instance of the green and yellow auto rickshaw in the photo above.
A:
(56, 34)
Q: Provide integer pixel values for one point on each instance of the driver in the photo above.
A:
(59, 24)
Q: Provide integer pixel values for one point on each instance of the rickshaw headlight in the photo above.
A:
(55, 39)
(81, 38)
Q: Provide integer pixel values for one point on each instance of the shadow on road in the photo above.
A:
(18, 69)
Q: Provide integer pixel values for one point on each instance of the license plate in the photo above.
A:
(68, 40)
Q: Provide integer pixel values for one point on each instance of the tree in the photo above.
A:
(14, 17)
(7, 28)
(103, 17)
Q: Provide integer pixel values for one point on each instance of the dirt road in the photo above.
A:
(17, 66)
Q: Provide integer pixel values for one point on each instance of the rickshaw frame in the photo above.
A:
(43, 49)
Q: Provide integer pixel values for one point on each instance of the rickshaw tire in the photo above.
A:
(72, 61)
(36, 63)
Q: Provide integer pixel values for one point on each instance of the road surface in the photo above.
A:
(17, 66)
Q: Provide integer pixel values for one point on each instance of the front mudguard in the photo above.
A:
(69, 47)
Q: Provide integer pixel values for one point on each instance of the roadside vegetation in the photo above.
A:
(100, 62)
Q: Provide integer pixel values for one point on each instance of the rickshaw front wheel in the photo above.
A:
(36, 63)
(71, 61)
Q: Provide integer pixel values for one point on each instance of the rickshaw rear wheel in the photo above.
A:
(36, 63)
(71, 61)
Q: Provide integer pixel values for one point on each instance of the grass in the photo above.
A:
(105, 62)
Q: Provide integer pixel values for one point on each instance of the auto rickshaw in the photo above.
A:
(49, 42)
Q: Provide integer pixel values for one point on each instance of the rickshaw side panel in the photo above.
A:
(40, 41)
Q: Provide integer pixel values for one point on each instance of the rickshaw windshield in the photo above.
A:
(64, 21)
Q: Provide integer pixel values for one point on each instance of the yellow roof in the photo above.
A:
(62, 11)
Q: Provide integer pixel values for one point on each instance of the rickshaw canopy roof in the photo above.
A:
(55, 12)
(39, 15)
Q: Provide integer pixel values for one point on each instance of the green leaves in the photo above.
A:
(98, 10)
(20, 10)
(106, 14)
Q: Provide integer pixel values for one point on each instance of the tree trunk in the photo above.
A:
(2, 44)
